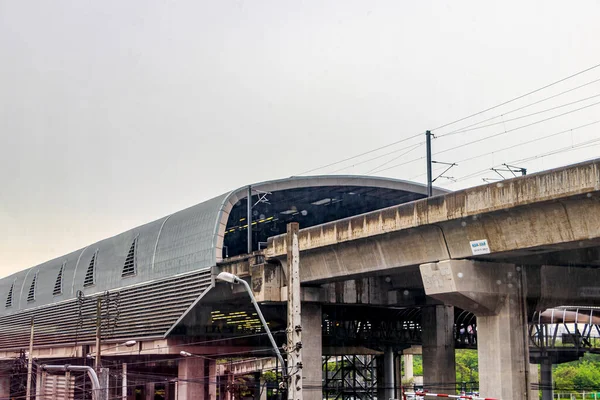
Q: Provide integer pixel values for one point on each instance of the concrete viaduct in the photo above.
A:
(381, 270)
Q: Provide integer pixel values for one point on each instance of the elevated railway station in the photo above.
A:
(382, 268)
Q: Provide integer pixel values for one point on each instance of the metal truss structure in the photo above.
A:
(350, 377)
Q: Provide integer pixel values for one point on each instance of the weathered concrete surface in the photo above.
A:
(548, 211)
(479, 287)
(312, 351)
(439, 366)
(196, 379)
(4, 386)
(496, 293)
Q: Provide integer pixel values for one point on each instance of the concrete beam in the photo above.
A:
(473, 286)
(442, 227)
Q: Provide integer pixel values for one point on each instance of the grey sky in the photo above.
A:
(115, 113)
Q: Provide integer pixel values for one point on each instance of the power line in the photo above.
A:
(517, 128)
(519, 144)
(494, 135)
(522, 108)
(517, 118)
(413, 147)
(361, 154)
(393, 159)
(589, 143)
(518, 97)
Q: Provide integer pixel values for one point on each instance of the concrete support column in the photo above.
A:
(312, 351)
(534, 381)
(496, 293)
(408, 366)
(503, 355)
(439, 369)
(104, 378)
(4, 386)
(388, 374)
(191, 381)
(38, 384)
(398, 376)
(149, 390)
(546, 383)
(212, 379)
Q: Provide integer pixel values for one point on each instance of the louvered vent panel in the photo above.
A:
(90, 273)
(129, 266)
(31, 294)
(58, 284)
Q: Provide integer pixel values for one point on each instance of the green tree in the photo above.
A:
(578, 376)
(418, 365)
(467, 368)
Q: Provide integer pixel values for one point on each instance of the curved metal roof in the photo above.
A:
(185, 241)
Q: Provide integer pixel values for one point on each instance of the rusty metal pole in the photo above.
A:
(294, 328)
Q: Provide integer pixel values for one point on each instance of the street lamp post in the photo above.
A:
(231, 278)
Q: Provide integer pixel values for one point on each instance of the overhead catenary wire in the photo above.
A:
(518, 97)
(411, 148)
(393, 159)
(516, 118)
(467, 159)
(495, 135)
(522, 107)
(473, 115)
(361, 154)
(589, 143)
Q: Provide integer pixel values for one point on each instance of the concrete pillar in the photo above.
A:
(439, 365)
(104, 378)
(149, 391)
(408, 366)
(502, 351)
(212, 379)
(388, 374)
(191, 381)
(4, 386)
(546, 383)
(124, 382)
(39, 373)
(312, 351)
(534, 381)
(496, 293)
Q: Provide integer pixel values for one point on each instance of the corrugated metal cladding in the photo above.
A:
(183, 242)
(146, 310)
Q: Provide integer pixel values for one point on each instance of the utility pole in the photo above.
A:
(30, 363)
(249, 219)
(124, 383)
(429, 164)
(98, 333)
(294, 328)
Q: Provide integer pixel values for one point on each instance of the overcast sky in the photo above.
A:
(115, 113)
